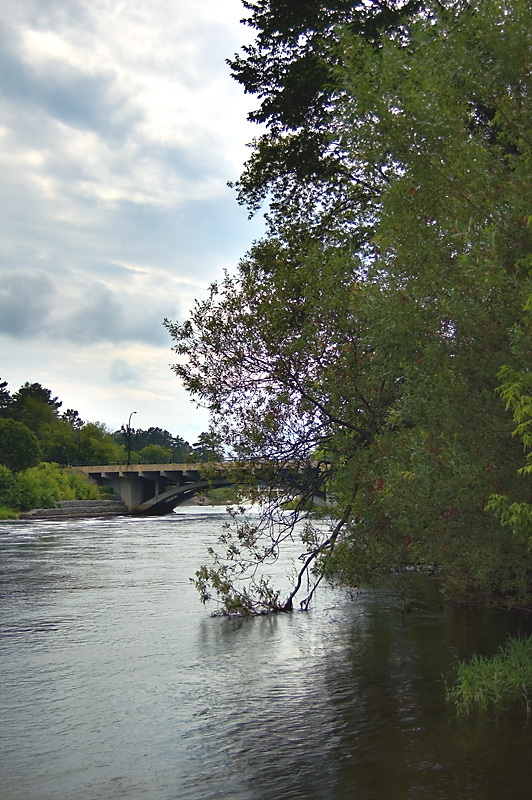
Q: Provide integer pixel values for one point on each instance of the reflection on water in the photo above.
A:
(117, 683)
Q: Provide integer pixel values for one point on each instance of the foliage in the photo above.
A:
(97, 446)
(366, 366)
(208, 447)
(238, 580)
(7, 482)
(19, 448)
(180, 450)
(516, 389)
(291, 69)
(497, 683)
(5, 398)
(67, 439)
(6, 512)
(45, 485)
(155, 454)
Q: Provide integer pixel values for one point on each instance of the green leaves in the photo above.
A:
(369, 327)
(19, 447)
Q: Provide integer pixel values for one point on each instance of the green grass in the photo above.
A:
(498, 683)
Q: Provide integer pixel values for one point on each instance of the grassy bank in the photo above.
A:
(499, 683)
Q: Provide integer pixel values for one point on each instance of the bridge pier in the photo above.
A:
(153, 489)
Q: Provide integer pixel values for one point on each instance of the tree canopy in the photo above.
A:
(19, 447)
(362, 343)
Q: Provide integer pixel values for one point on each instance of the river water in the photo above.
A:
(117, 683)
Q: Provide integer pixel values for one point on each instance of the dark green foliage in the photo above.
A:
(19, 447)
(208, 447)
(374, 359)
(180, 450)
(5, 398)
(291, 69)
(66, 439)
(34, 406)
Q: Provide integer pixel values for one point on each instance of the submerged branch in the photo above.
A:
(327, 545)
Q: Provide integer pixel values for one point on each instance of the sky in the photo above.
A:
(120, 127)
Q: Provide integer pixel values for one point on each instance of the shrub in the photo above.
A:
(8, 513)
(6, 485)
(45, 485)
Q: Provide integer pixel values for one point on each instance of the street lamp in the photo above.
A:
(129, 438)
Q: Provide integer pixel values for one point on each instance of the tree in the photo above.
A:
(6, 486)
(208, 447)
(180, 449)
(516, 389)
(19, 447)
(98, 446)
(291, 67)
(34, 405)
(155, 454)
(5, 399)
(372, 370)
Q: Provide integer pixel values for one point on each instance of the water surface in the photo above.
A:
(116, 682)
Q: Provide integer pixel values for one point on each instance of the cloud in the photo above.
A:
(65, 91)
(25, 298)
(120, 129)
(123, 372)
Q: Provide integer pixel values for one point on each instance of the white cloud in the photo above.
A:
(121, 127)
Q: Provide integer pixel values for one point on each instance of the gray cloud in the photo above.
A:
(96, 317)
(25, 298)
(67, 94)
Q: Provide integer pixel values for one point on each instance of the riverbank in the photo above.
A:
(78, 509)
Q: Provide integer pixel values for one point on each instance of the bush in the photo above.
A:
(7, 482)
(45, 485)
(8, 513)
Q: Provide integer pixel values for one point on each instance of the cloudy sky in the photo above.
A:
(119, 127)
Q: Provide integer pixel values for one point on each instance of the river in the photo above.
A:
(117, 682)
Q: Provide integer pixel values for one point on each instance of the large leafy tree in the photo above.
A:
(34, 405)
(372, 370)
(19, 447)
(299, 154)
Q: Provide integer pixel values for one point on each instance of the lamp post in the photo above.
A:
(129, 438)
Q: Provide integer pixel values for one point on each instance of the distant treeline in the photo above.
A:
(35, 428)
(39, 443)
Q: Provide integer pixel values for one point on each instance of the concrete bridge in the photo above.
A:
(153, 489)
(156, 489)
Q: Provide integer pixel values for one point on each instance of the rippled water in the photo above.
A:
(116, 682)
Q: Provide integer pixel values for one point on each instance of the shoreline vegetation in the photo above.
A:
(40, 448)
(58, 502)
(502, 682)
